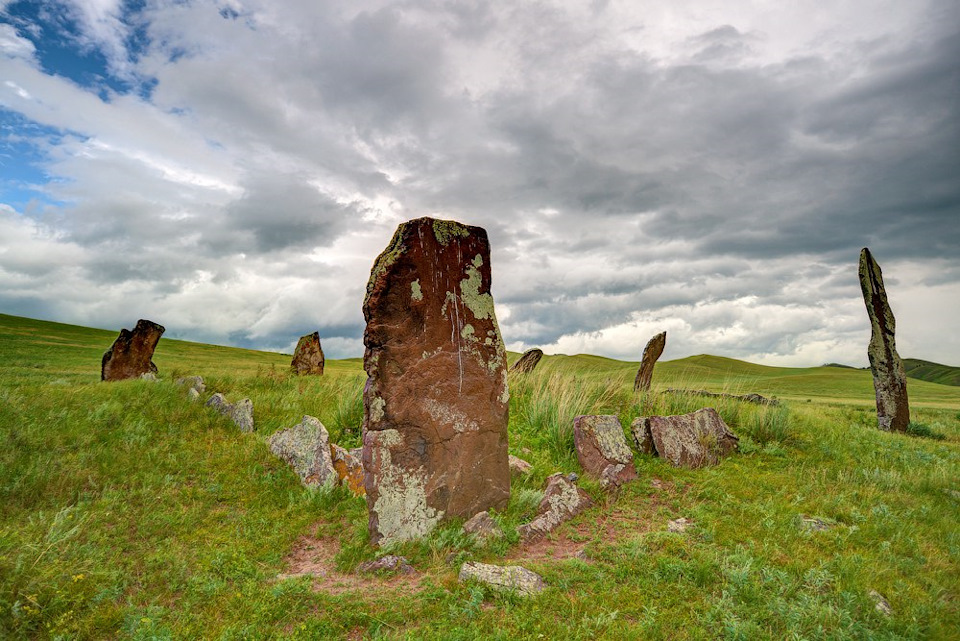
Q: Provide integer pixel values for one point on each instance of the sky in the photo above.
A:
(231, 168)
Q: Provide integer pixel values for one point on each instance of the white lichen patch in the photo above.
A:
(467, 333)
(608, 435)
(480, 304)
(448, 415)
(415, 292)
(401, 505)
(377, 406)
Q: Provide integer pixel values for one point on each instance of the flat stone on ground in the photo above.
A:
(511, 578)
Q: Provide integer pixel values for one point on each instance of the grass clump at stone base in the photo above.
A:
(129, 512)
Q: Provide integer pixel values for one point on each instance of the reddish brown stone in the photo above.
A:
(348, 467)
(130, 355)
(308, 357)
(651, 353)
(528, 362)
(889, 377)
(602, 449)
(691, 440)
(436, 399)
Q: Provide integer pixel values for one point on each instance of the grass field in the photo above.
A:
(128, 512)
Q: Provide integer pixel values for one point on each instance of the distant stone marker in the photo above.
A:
(131, 353)
(528, 362)
(889, 377)
(308, 357)
(651, 353)
(436, 399)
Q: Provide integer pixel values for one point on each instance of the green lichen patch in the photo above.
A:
(386, 258)
(447, 230)
(415, 292)
(481, 304)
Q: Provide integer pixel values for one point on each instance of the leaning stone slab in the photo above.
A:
(436, 398)
(131, 353)
(889, 376)
(651, 353)
(602, 449)
(528, 362)
(308, 357)
(511, 578)
(306, 448)
(691, 440)
(562, 501)
(642, 437)
(348, 468)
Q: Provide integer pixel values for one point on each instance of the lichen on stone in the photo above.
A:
(386, 258)
(480, 304)
(401, 505)
(415, 292)
(376, 409)
(447, 230)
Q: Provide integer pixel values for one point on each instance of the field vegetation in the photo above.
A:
(129, 512)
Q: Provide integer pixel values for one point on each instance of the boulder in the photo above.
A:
(483, 527)
(348, 467)
(308, 357)
(562, 501)
(511, 578)
(602, 449)
(240, 413)
(889, 376)
(306, 448)
(192, 382)
(651, 353)
(131, 353)
(528, 362)
(436, 397)
(691, 440)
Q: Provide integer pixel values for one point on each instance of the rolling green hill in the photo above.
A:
(933, 372)
(129, 512)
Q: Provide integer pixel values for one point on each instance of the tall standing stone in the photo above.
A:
(130, 355)
(528, 362)
(308, 357)
(889, 377)
(651, 353)
(436, 398)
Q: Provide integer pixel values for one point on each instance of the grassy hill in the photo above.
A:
(933, 372)
(129, 512)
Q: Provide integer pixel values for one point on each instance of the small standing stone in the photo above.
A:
(651, 353)
(511, 578)
(308, 357)
(602, 449)
(562, 501)
(689, 440)
(131, 353)
(306, 447)
(528, 362)
(889, 376)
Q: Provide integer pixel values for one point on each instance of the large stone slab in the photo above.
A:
(308, 357)
(131, 353)
(692, 440)
(528, 362)
(561, 501)
(602, 449)
(510, 578)
(436, 398)
(651, 353)
(889, 377)
(306, 448)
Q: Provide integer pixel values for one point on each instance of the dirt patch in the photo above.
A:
(314, 557)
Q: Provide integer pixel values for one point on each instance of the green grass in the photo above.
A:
(128, 512)
(933, 372)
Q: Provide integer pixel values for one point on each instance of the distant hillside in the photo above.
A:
(932, 372)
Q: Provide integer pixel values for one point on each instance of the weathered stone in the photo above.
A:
(389, 563)
(816, 524)
(131, 353)
(602, 449)
(651, 353)
(511, 578)
(483, 527)
(562, 501)
(348, 467)
(518, 465)
(641, 435)
(528, 362)
(689, 440)
(889, 377)
(150, 377)
(880, 604)
(193, 394)
(306, 448)
(436, 398)
(240, 413)
(756, 399)
(192, 382)
(678, 525)
(308, 357)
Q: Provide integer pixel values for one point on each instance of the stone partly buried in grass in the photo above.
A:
(690, 440)
(436, 399)
(602, 449)
(511, 578)
(306, 448)
(241, 412)
(131, 353)
(562, 501)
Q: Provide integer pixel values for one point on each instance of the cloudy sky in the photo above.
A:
(231, 168)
